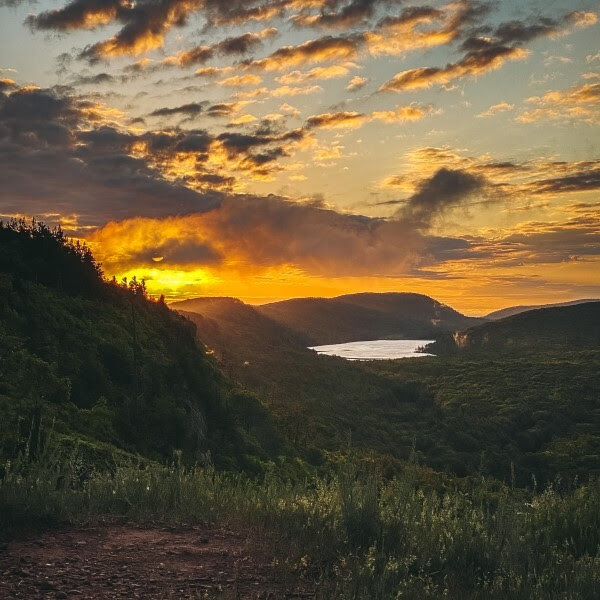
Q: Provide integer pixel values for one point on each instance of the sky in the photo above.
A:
(268, 149)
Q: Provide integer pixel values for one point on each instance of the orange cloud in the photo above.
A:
(330, 72)
(495, 109)
(354, 120)
(318, 50)
(356, 83)
(339, 120)
(472, 65)
(287, 90)
(581, 102)
(241, 80)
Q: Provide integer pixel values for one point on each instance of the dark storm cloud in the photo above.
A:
(65, 151)
(59, 154)
(445, 189)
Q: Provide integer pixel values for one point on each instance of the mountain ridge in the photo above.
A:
(366, 316)
(574, 325)
(509, 311)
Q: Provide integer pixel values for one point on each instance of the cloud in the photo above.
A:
(445, 189)
(518, 185)
(339, 120)
(354, 120)
(192, 109)
(239, 12)
(322, 49)
(80, 157)
(68, 155)
(421, 27)
(241, 80)
(495, 109)
(330, 72)
(585, 180)
(6, 84)
(291, 90)
(337, 15)
(222, 109)
(485, 49)
(145, 23)
(258, 233)
(473, 64)
(356, 83)
(580, 102)
(97, 79)
(231, 46)
(580, 18)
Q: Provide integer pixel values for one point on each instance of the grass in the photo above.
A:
(353, 534)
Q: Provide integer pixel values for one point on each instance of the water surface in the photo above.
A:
(375, 349)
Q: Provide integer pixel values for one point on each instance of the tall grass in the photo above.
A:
(355, 536)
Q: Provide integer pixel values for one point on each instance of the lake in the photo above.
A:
(375, 349)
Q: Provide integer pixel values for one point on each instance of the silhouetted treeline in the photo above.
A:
(99, 364)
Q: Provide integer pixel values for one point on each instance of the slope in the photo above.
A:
(464, 414)
(565, 327)
(366, 316)
(98, 365)
(515, 310)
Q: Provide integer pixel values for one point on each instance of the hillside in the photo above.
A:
(366, 316)
(317, 400)
(462, 414)
(96, 365)
(228, 322)
(515, 310)
(566, 327)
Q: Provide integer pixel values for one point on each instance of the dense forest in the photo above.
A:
(99, 365)
(529, 414)
(466, 475)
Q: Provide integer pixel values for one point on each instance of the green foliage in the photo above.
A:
(102, 362)
(512, 416)
(558, 328)
(355, 535)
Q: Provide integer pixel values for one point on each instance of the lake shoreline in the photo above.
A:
(375, 349)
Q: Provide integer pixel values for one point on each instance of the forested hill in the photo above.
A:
(229, 323)
(515, 310)
(366, 316)
(567, 327)
(100, 365)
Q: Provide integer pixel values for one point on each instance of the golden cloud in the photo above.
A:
(581, 102)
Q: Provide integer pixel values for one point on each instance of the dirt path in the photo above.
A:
(136, 562)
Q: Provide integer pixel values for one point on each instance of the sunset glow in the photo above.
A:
(270, 149)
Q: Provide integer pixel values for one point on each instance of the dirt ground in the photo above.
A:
(141, 562)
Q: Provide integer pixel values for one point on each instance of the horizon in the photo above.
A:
(252, 301)
(277, 149)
